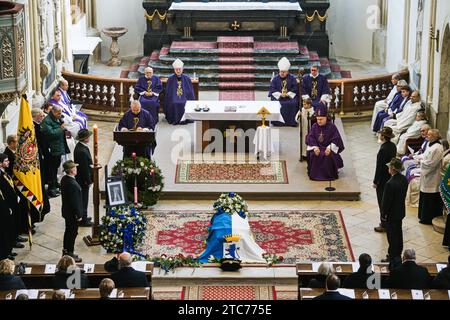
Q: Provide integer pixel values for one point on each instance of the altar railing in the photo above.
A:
(114, 94)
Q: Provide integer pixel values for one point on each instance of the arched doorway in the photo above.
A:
(442, 120)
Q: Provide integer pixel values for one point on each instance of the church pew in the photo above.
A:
(37, 278)
(83, 294)
(390, 294)
(305, 270)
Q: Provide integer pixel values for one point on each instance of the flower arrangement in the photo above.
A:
(123, 229)
(149, 178)
(170, 263)
(231, 203)
(272, 259)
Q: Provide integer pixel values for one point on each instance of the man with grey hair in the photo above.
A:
(393, 211)
(409, 275)
(53, 130)
(383, 104)
(149, 87)
(127, 277)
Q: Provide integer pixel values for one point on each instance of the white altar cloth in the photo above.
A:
(233, 6)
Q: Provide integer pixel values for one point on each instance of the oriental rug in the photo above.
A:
(192, 172)
(228, 293)
(295, 235)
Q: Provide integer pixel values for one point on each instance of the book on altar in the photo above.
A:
(230, 108)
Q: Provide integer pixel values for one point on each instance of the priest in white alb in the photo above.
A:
(403, 120)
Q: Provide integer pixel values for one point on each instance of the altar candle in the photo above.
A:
(342, 88)
(152, 173)
(121, 88)
(133, 156)
(95, 145)
(135, 195)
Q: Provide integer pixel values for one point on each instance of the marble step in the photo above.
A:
(272, 60)
(235, 42)
(236, 86)
(236, 76)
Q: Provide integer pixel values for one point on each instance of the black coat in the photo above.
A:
(7, 236)
(12, 158)
(357, 280)
(387, 151)
(72, 201)
(59, 280)
(44, 152)
(11, 282)
(332, 295)
(393, 203)
(129, 278)
(83, 157)
(410, 276)
(442, 280)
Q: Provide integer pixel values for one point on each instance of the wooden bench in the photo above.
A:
(383, 294)
(35, 276)
(80, 294)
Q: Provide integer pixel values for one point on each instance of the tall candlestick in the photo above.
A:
(95, 145)
(342, 88)
(152, 173)
(121, 88)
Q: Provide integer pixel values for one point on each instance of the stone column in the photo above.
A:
(38, 99)
(431, 51)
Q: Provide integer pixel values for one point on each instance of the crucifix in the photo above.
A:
(235, 25)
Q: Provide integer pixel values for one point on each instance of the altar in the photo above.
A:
(235, 121)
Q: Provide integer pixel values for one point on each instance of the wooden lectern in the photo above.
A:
(141, 142)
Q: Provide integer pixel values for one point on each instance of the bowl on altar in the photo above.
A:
(206, 109)
(197, 109)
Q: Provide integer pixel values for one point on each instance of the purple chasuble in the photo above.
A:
(289, 107)
(150, 103)
(308, 87)
(81, 117)
(324, 168)
(178, 91)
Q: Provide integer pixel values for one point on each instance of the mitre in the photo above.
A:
(284, 64)
(177, 64)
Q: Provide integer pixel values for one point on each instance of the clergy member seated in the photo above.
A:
(127, 277)
(324, 145)
(74, 106)
(284, 88)
(304, 117)
(332, 284)
(406, 118)
(137, 119)
(383, 104)
(412, 132)
(149, 87)
(316, 87)
(179, 89)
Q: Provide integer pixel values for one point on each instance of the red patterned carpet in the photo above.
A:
(295, 235)
(228, 293)
(273, 172)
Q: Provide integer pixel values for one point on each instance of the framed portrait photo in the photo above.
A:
(116, 193)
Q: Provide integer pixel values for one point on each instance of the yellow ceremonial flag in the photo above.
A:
(27, 167)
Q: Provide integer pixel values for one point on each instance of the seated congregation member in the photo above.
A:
(53, 130)
(82, 156)
(137, 119)
(72, 110)
(8, 281)
(430, 201)
(393, 105)
(411, 162)
(325, 269)
(304, 117)
(179, 89)
(360, 279)
(65, 269)
(394, 211)
(127, 277)
(316, 87)
(383, 104)
(385, 154)
(332, 285)
(324, 145)
(149, 87)
(284, 88)
(406, 102)
(406, 118)
(413, 132)
(409, 275)
(442, 279)
(106, 287)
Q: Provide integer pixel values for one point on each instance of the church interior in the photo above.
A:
(210, 170)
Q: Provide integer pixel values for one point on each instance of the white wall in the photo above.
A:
(348, 31)
(395, 35)
(120, 13)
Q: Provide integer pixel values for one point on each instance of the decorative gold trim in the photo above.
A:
(321, 18)
(161, 17)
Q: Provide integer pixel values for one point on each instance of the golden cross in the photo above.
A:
(235, 25)
(321, 137)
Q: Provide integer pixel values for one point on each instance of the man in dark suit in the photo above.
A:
(387, 151)
(333, 284)
(127, 277)
(358, 280)
(72, 208)
(393, 209)
(409, 275)
(442, 279)
(83, 157)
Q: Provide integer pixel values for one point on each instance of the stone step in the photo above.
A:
(236, 68)
(236, 60)
(273, 60)
(226, 77)
(230, 52)
(236, 86)
(235, 42)
(256, 52)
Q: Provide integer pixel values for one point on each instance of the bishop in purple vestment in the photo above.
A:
(80, 117)
(324, 145)
(284, 88)
(137, 119)
(179, 89)
(316, 87)
(149, 87)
